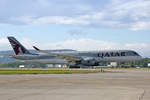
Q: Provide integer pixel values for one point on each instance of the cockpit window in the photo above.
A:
(136, 54)
(131, 53)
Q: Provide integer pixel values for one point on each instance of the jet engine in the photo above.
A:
(89, 62)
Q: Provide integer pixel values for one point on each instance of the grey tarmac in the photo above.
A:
(120, 84)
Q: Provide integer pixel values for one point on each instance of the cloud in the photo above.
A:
(127, 14)
(83, 44)
(28, 43)
(81, 20)
(141, 25)
(4, 44)
(134, 14)
(76, 32)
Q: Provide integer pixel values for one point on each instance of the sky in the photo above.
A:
(77, 24)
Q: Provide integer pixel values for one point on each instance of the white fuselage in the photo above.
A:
(97, 56)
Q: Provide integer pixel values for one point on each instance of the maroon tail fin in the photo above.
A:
(17, 47)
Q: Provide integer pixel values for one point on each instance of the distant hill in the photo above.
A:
(4, 57)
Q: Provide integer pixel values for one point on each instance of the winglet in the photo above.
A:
(36, 48)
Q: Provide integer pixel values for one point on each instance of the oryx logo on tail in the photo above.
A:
(17, 47)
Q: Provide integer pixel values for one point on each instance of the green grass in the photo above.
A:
(45, 71)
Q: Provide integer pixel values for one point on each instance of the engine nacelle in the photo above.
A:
(89, 62)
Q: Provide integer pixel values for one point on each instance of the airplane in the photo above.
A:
(73, 58)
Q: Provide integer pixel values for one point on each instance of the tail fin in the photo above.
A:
(17, 46)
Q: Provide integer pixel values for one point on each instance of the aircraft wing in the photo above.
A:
(68, 58)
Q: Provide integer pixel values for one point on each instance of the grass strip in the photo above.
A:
(9, 72)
